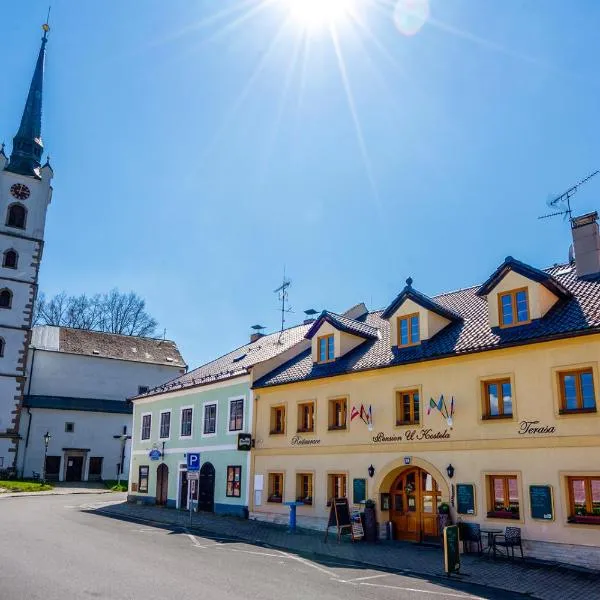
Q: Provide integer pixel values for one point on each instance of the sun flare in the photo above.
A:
(317, 13)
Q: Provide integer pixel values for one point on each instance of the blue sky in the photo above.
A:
(197, 152)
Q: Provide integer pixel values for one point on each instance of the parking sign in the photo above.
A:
(193, 461)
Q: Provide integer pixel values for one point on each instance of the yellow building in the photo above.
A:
(485, 399)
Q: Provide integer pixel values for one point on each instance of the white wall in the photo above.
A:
(92, 430)
(36, 204)
(20, 282)
(75, 376)
(6, 457)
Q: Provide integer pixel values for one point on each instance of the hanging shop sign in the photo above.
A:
(534, 428)
(412, 435)
(154, 454)
(244, 442)
(298, 440)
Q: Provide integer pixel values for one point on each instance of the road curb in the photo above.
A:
(51, 493)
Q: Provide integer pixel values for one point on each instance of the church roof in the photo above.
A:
(27, 150)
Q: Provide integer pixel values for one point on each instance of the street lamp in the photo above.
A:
(47, 438)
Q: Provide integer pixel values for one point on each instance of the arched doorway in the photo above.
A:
(162, 484)
(414, 498)
(206, 488)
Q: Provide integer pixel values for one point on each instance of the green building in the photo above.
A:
(210, 411)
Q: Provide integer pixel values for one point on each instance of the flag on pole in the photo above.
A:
(354, 413)
(432, 404)
(370, 415)
(440, 403)
(363, 414)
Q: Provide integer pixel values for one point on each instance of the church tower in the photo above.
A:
(25, 193)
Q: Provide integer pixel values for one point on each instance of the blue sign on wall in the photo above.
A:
(154, 454)
(193, 461)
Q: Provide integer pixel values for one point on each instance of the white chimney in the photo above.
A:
(586, 244)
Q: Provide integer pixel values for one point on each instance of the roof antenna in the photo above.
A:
(282, 291)
(563, 202)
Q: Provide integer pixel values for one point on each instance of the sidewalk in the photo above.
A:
(61, 489)
(540, 580)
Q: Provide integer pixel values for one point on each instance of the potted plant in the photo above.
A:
(370, 521)
(444, 509)
(582, 516)
(444, 515)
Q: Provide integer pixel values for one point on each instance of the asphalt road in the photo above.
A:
(58, 548)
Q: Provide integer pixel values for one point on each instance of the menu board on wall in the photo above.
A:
(359, 490)
(465, 498)
(540, 498)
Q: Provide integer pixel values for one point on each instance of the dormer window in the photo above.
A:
(326, 348)
(514, 308)
(408, 330)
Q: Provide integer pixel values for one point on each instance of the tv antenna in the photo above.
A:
(282, 292)
(563, 202)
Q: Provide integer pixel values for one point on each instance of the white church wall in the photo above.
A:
(25, 249)
(36, 204)
(8, 390)
(76, 376)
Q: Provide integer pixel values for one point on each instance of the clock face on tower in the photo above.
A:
(20, 191)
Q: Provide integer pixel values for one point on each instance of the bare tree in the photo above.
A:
(115, 312)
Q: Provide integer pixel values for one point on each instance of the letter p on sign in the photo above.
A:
(193, 461)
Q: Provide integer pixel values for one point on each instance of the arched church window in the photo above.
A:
(10, 259)
(1, 347)
(5, 298)
(17, 216)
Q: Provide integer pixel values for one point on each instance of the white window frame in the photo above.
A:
(162, 412)
(244, 424)
(186, 437)
(204, 405)
(145, 414)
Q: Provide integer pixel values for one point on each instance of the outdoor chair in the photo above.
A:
(509, 541)
(471, 533)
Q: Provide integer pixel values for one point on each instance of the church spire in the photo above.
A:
(27, 144)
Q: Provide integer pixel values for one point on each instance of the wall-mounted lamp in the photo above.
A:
(371, 471)
(450, 471)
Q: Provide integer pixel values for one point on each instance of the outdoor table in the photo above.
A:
(293, 506)
(491, 532)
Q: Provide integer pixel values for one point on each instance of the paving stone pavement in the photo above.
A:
(541, 580)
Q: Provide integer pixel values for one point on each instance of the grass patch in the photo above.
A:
(111, 484)
(16, 485)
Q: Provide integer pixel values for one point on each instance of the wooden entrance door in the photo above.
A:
(206, 488)
(74, 468)
(162, 484)
(414, 500)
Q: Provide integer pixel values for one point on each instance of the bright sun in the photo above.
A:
(315, 13)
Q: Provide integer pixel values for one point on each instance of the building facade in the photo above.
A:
(485, 399)
(208, 410)
(78, 383)
(25, 193)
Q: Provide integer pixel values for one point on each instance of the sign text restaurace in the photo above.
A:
(411, 435)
